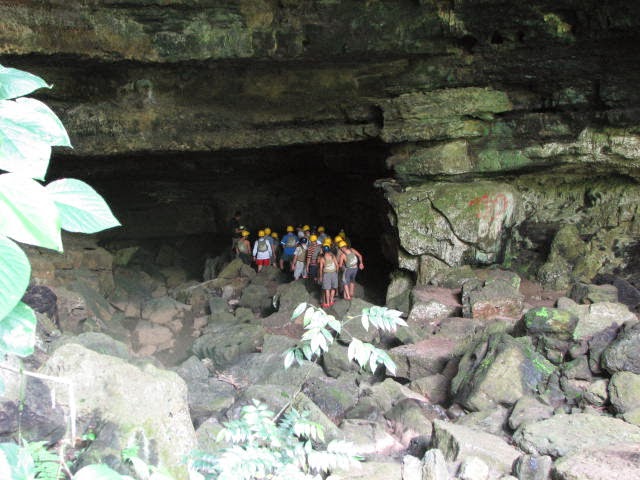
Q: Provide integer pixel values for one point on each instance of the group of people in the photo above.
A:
(307, 252)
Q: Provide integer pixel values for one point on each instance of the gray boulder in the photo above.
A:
(495, 299)
(623, 354)
(600, 317)
(562, 435)
(224, 343)
(458, 442)
(533, 467)
(427, 357)
(612, 462)
(624, 391)
(145, 406)
(499, 369)
(590, 293)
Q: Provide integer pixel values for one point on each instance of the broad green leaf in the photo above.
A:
(365, 321)
(97, 472)
(299, 309)
(81, 208)
(16, 462)
(15, 271)
(27, 214)
(18, 331)
(289, 358)
(354, 346)
(16, 83)
(28, 129)
(308, 316)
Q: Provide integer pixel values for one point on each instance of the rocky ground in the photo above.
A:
(496, 377)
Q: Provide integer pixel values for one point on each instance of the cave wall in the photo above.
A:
(501, 121)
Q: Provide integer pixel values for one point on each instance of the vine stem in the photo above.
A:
(64, 381)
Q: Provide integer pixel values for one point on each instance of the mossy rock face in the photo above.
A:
(499, 370)
(454, 221)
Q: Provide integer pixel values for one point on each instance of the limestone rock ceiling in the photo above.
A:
(538, 97)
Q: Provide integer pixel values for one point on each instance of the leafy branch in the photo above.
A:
(321, 330)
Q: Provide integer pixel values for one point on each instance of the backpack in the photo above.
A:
(291, 242)
(262, 245)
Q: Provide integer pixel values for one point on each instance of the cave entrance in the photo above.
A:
(188, 199)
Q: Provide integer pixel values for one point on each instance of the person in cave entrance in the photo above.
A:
(289, 243)
(262, 251)
(243, 248)
(328, 276)
(351, 261)
(298, 266)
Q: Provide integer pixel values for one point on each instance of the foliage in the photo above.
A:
(264, 448)
(35, 214)
(30, 212)
(321, 329)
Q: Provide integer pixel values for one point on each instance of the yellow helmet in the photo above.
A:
(320, 229)
(289, 228)
(245, 233)
(267, 231)
(342, 244)
(274, 234)
(306, 227)
(327, 242)
(261, 233)
(337, 239)
(313, 238)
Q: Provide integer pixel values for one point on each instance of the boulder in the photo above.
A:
(427, 357)
(495, 299)
(144, 406)
(623, 354)
(165, 311)
(529, 410)
(624, 391)
(289, 295)
(563, 435)
(550, 321)
(473, 468)
(600, 317)
(458, 442)
(333, 396)
(370, 438)
(533, 467)
(398, 294)
(492, 421)
(609, 462)
(434, 465)
(589, 293)
(224, 343)
(499, 369)
(410, 418)
(208, 398)
(256, 298)
(434, 387)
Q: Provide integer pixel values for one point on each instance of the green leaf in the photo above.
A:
(18, 331)
(16, 463)
(27, 214)
(16, 83)
(28, 128)
(15, 271)
(308, 316)
(299, 309)
(97, 472)
(289, 358)
(81, 208)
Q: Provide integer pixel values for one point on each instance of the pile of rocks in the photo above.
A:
(490, 383)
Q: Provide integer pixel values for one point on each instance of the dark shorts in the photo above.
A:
(313, 270)
(330, 281)
(245, 257)
(287, 257)
(350, 275)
